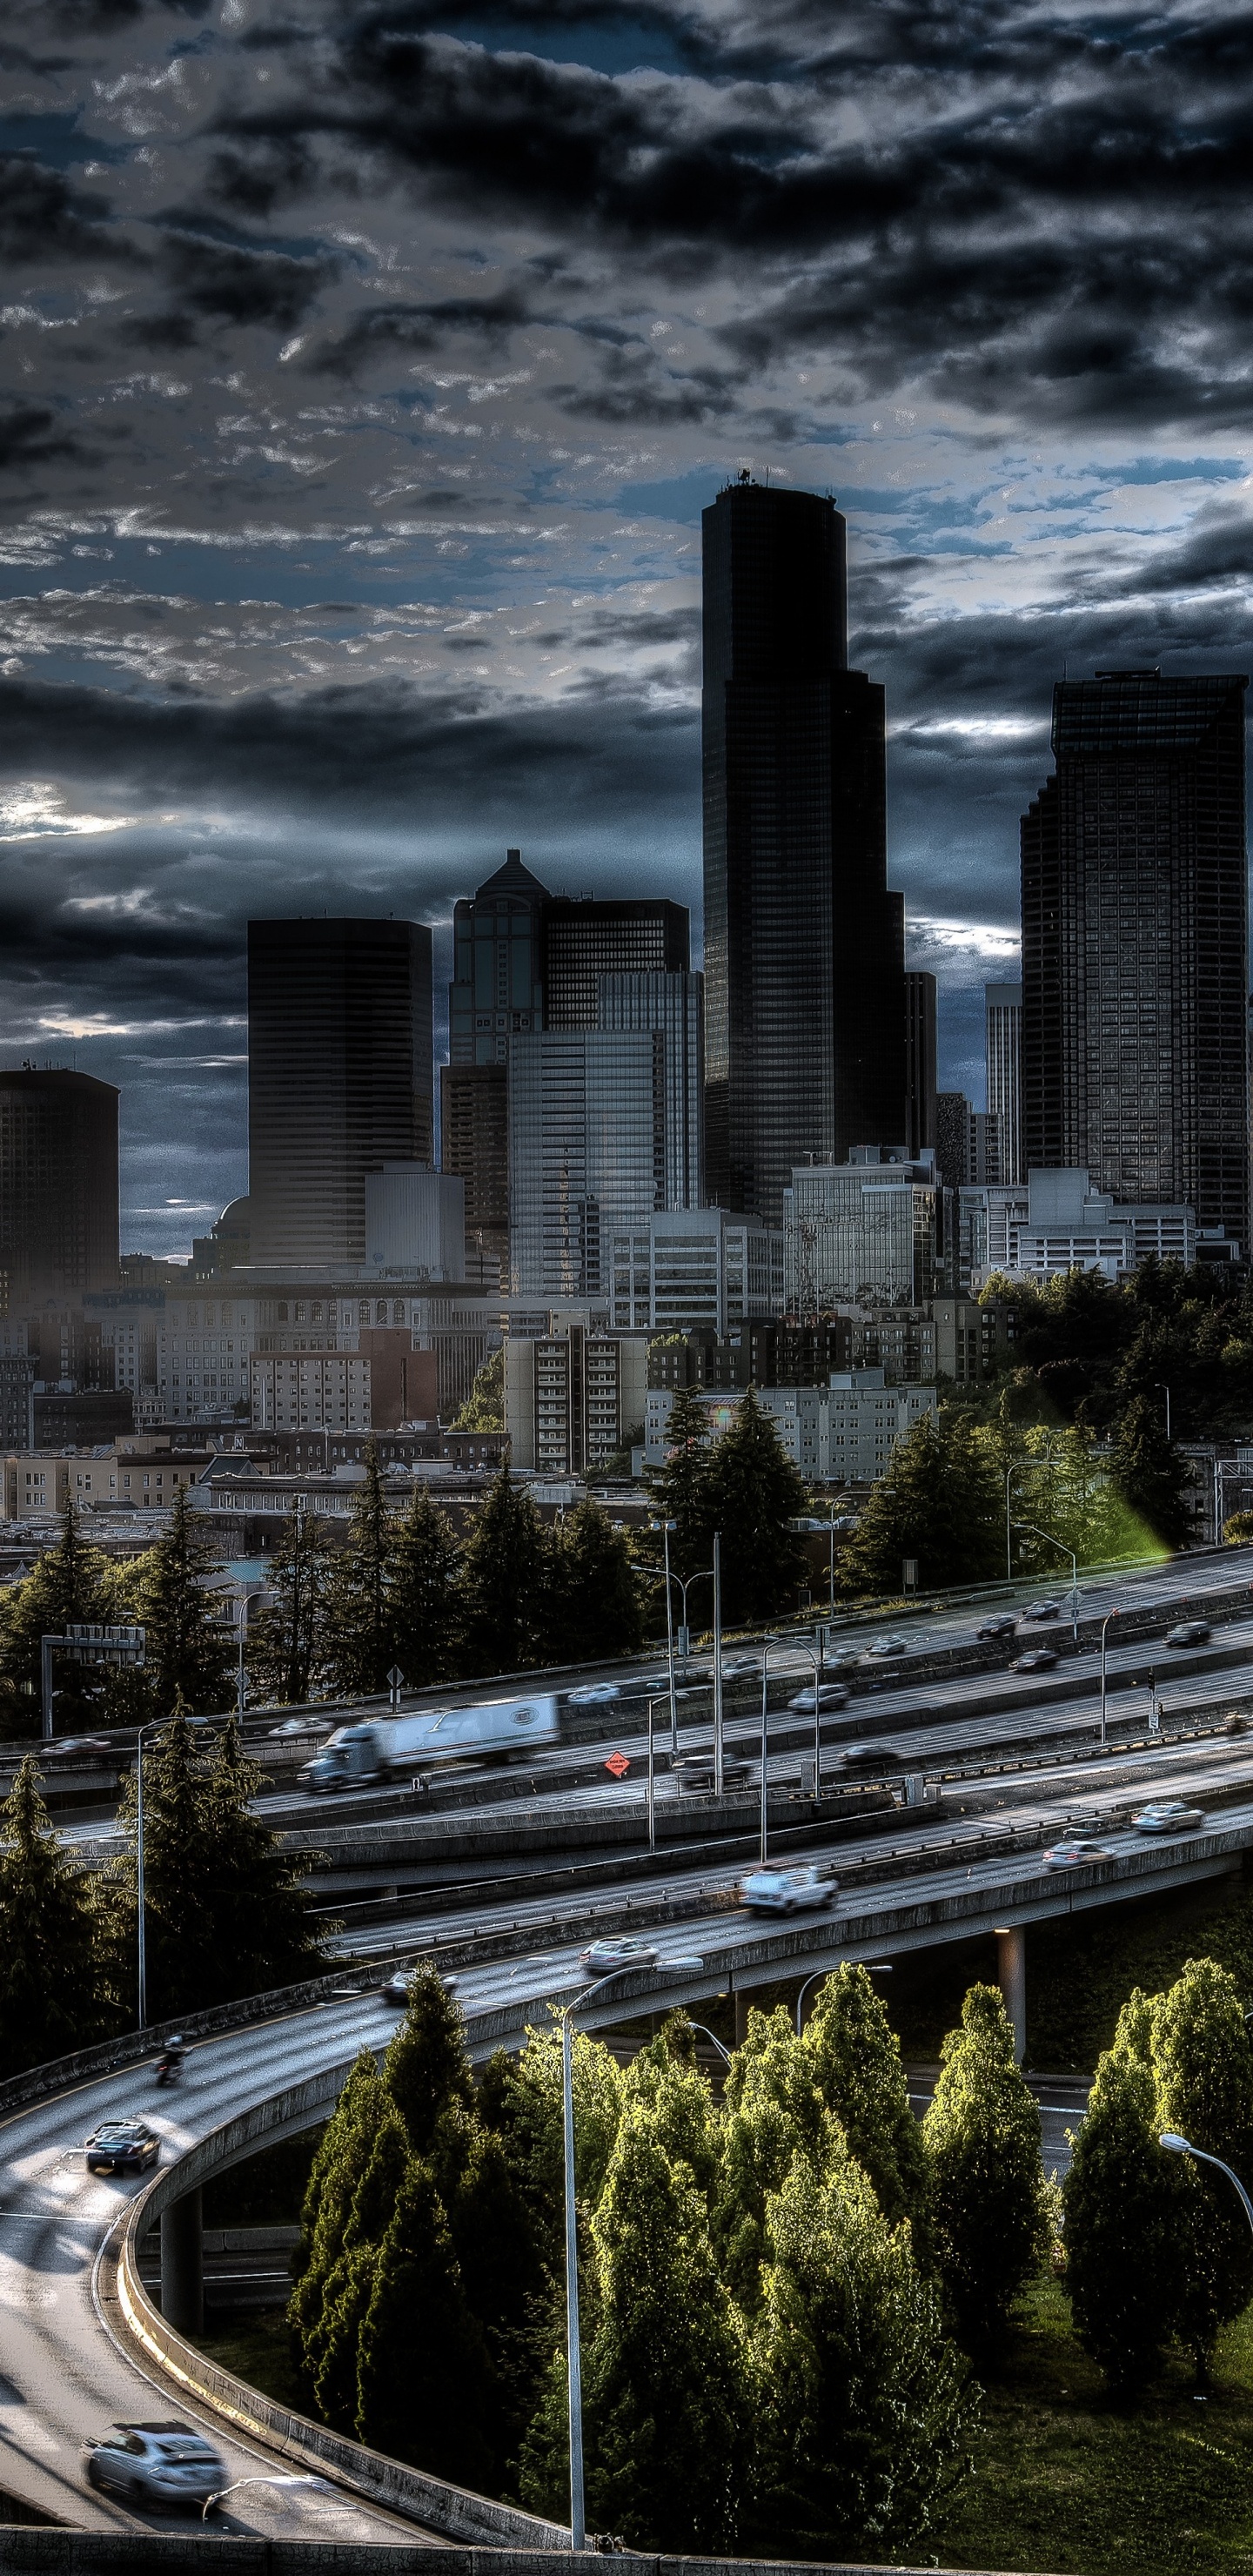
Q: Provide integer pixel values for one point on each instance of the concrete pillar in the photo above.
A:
(1011, 1971)
(742, 2001)
(182, 2264)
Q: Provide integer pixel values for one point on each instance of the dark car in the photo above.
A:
(1038, 1659)
(1190, 1632)
(863, 1757)
(156, 2464)
(1044, 1610)
(122, 2146)
(1003, 1625)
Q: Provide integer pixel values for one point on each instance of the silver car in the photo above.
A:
(1168, 1816)
(156, 2464)
(784, 1891)
(830, 1695)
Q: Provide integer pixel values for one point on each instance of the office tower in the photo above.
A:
(804, 946)
(1135, 944)
(339, 1077)
(866, 1232)
(585, 939)
(1003, 1026)
(415, 1222)
(587, 1153)
(58, 1185)
(670, 1007)
(920, 1050)
(497, 988)
(474, 1133)
(952, 1138)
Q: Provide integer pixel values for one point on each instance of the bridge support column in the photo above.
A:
(182, 2264)
(1011, 1971)
(742, 2001)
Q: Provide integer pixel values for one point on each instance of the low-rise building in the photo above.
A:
(841, 1433)
(137, 1474)
(1060, 1221)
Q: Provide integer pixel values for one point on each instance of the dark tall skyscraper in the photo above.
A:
(497, 992)
(339, 1076)
(920, 1055)
(585, 938)
(1134, 965)
(804, 945)
(58, 1185)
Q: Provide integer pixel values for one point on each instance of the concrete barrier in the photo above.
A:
(133, 2553)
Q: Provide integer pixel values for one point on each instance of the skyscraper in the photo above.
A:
(804, 945)
(58, 1185)
(587, 1153)
(920, 1055)
(1135, 942)
(1002, 1005)
(339, 1076)
(672, 1008)
(585, 938)
(497, 992)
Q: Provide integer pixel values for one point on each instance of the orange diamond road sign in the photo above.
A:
(617, 1763)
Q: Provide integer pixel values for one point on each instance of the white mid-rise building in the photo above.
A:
(695, 1269)
(1059, 1221)
(841, 1433)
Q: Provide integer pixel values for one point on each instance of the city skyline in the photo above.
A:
(356, 466)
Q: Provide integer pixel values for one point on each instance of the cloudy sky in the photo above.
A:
(363, 372)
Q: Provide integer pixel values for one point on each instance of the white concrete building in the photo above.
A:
(841, 1433)
(1060, 1222)
(693, 1269)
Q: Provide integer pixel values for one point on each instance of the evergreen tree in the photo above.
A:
(422, 1599)
(344, 2151)
(857, 2066)
(595, 1605)
(982, 2135)
(189, 1651)
(1203, 2060)
(862, 2407)
(665, 2079)
(426, 2069)
(358, 1613)
(1150, 1472)
(424, 2380)
(72, 1584)
(331, 2351)
(286, 1643)
(55, 1986)
(264, 1933)
(940, 1503)
(680, 1490)
(521, 2101)
(505, 1569)
(772, 2111)
(1125, 2228)
(752, 1492)
(665, 2373)
(484, 1407)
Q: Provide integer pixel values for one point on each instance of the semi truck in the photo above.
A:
(379, 1748)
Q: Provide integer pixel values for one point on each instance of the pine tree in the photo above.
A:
(666, 2400)
(680, 1489)
(595, 1603)
(504, 1575)
(484, 1407)
(189, 1652)
(426, 2069)
(772, 2111)
(857, 2066)
(55, 1984)
(358, 1622)
(424, 2380)
(1125, 2228)
(862, 2406)
(423, 1604)
(982, 2135)
(752, 1492)
(939, 1503)
(286, 1643)
(1150, 1472)
(344, 2152)
(1203, 2061)
(264, 1933)
(332, 2349)
(71, 1585)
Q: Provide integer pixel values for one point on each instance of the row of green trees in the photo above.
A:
(190, 1648)
(775, 2291)
(743, 1485)
(1091, 1349)
(224, 1913)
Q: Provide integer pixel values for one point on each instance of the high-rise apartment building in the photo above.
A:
(920, 1059)
(585, 938)
(1002, 1005)
(339, 1077)
(804, 945)
(1135, 941)
(58, 1185)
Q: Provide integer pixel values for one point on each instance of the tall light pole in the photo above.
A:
(815, 1658)
(1033, 1532)
(652, 1778)
(1010, 1473)
(874, 1968)
(665, 1527)
(1162, 1389)
(719, 1758)
(683, 1582)
(1178, 2146)
(1110, 1614)
(766, 1644)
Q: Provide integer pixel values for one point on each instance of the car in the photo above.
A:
(1038, 1659)
(1044, 1610)
(860, 1756)
(1071, 1850)
(618, 1950)
(1003, 1625)
(395, 1989)
(78, 1745)
(299, 1726)
(121, 2146)
(736, 1667)
(1168, 1816)
(888, 1646)
(594, 1694)
(785, 1891)
(1190, 1632)
(830, 1695)
(162, 2464)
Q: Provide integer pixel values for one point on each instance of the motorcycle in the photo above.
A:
(170, 2062)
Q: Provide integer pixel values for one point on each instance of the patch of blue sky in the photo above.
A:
(1165, 469)
(609, 44)
(57, 141)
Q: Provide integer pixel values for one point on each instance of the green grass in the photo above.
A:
(1070, 2481)
(255, 2344)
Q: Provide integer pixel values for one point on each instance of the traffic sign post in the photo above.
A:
(395, 1684)
(89, 1641)
(618, 1764)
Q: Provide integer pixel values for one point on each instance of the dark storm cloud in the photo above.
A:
(31, 434)
(43, 217)
(421, 328)
(229, 282)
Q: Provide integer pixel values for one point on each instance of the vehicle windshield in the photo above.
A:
(186, 2447)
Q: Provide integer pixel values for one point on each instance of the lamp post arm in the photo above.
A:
(1183, 2147)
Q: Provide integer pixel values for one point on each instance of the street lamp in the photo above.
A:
(665, 1527)
(815, 1658)
(1110, 1614)
(1033, 1532)
(724, 2053)
(874, 1968)
(683, 1582)
(1178, 2146)
(574, 2372)
(652, 1806)
(766, 1644)
(1161, 1388)
(1010, 1472)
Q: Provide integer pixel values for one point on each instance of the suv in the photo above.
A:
(121, 2146)
(163, 2464)
(782, 1891)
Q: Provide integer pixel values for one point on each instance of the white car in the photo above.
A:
(785, 1891)
(830, 1695)
(594, 1694)
(735, 1667)
(157, 2464)
(395, 1989)
(618, 1950)
(1072, 1850)
(296, 1726)
(888, 1646)
(1168, 1816)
